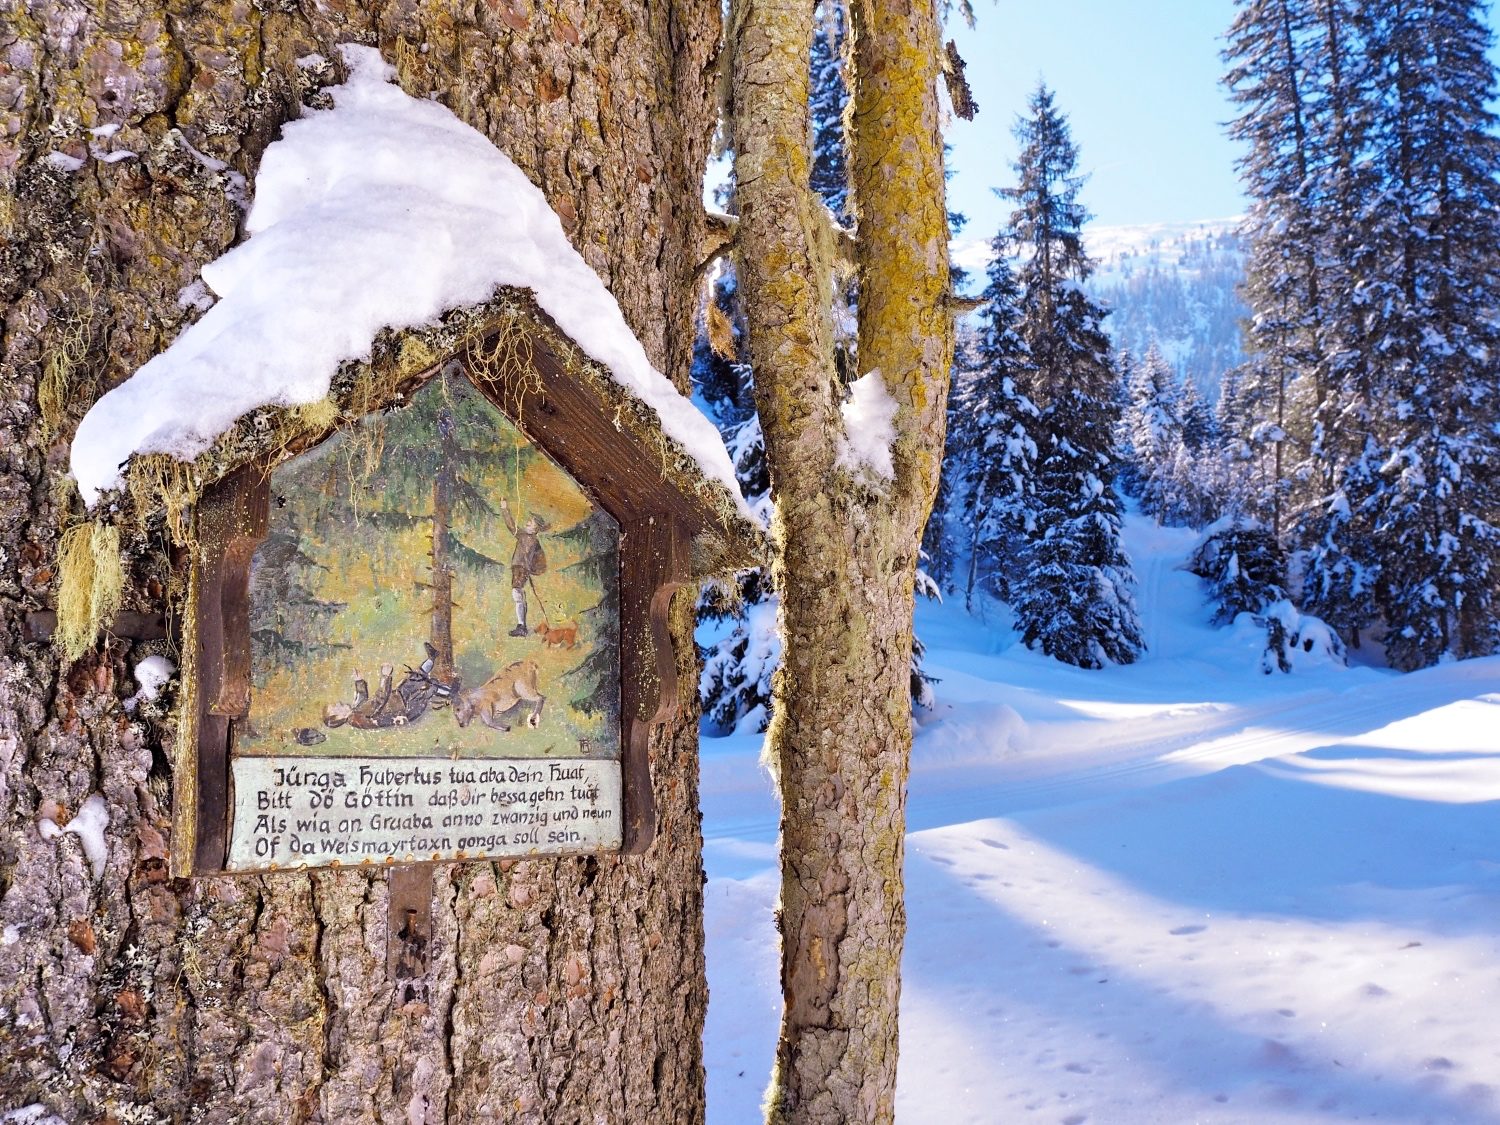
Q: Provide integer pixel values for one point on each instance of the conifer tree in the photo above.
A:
(1243, 566)
(826, 101)
(1153, 422)
(1199, 428)
(1074, 599)
(270, 997)
(992, 434)
(735, 683)
(1268, 76)
(1431, 285)
(1333, 533)
(1373, 280)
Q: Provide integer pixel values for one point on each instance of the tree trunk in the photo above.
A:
(847, 548)
(560, 991)
(442, 564)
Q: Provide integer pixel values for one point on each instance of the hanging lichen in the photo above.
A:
(65, 373)
(497, 343)
(158, 482)
(90, 583)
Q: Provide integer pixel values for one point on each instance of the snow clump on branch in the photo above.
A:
(869, 428)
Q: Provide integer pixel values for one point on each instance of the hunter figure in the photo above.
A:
(526, 561)
(418, 691)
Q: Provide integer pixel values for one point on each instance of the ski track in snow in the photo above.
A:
(1181, 891)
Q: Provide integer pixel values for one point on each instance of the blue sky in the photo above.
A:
(1138, 79)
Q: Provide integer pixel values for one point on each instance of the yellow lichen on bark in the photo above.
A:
(840, 736)
(896, 165)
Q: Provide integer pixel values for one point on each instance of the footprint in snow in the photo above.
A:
(1374, 991)
(995, 844)
(1183, 931)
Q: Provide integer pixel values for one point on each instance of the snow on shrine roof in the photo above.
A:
(383, 212)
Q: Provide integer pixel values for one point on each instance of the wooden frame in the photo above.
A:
(572, 424)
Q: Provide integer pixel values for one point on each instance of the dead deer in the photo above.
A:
(509, 689)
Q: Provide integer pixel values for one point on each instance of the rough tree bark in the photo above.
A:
(847, 550)
(560, 991)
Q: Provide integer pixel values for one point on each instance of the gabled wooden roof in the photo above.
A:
(609, 440)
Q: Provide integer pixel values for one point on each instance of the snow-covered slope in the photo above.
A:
(1180, 891)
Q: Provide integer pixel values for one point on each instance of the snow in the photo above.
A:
(1174, 891)
(63, 162)
(196, 296)
(88, 825)
(383, 212)
(869, 427)
(35, 1114)
(151, 674)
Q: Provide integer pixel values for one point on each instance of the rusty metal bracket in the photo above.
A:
(409, 941)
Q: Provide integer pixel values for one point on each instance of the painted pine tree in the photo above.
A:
(594, 682)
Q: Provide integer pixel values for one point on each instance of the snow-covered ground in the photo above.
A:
(1180, 891)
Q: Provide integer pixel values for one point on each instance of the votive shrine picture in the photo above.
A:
(432, 584)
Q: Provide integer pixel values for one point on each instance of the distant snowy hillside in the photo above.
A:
(1171, 281)
(1174, 282)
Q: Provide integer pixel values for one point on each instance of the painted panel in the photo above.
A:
(435, 600)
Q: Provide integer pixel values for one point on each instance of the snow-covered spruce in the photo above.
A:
(734, 687)
(1073, 596)
(984, 511)
(1371, 398)
(383, 212)
(1166, 438)
(1244, 568)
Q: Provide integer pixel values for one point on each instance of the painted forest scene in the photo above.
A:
(432, 584)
